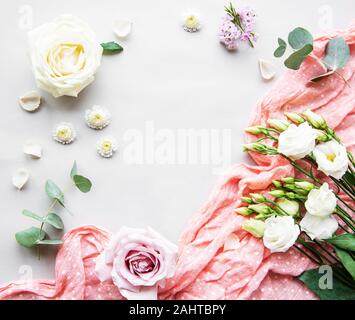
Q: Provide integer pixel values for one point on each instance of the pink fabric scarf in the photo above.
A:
(217, 259)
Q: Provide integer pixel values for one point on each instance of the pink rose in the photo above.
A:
(137, 261)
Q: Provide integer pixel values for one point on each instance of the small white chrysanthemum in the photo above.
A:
(107, 146)
(191, 21)
(97, 117)
(64, 133)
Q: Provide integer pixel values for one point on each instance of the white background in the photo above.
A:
(176, 79)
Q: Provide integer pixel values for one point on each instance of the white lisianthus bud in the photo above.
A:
(332, 158)
(277, 183)
(322, 136)
(280, 233)
(290, 207)
(277, 193)
(294, 117)
(244, 211)
(315, 120)
(321, 202)
(297, 142)
(255, 227)
(305, 185)
(317, 227)
(260, 208)
(258, 197)
(254, 130)
(288, 180)
(280, 125)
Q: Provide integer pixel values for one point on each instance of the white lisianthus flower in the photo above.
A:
(280, 234)
(107, 146)
(296, 142)
(332, 158)
(64, 133)
(65, 55)
(97, 117)
(317, 227)
(321, 202)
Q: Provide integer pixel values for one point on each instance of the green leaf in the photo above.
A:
(337, 54)
(339, 292)
(82, 183)
(295, 60)
(111, 47)
(30, 237)
(54, 192)
(322, 76)
(347, 261)
(344, 241)
(32, 215)
(299, 37)
(74, 170)
(279, 52)
(54, 220)
(53, 242)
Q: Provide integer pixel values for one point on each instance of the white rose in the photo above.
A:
(280, 233)
(332, 158)
(65, 55)
(317, 227)
(321, 202)
(297, 141)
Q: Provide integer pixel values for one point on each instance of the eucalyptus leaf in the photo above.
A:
(54, 192)
(295, 60)
(32, 215)
(82, 183)
(299, 37)
(344, 241)
(30, 237)
(54, 220)
(279, 52)
(111, 47)
(339, 291)
(74, 170)
(337, 54)
(347, 261)
(50, 242)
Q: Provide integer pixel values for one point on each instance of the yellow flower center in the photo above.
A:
(96, 118)
(106, 146)
(64, 134)
(66, 58)
(331, 157)
(191, 22)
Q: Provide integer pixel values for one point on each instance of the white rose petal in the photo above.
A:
(65, 55)
(32, 149)
(122, 28)
(332, 158)
(267, 69)
(280, 234)
(321, 202)
(317, 227)
(20, 178)
(296, 142)
(30, 101)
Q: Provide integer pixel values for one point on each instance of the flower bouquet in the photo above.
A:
(304, 212)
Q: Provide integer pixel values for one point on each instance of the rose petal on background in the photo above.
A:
(30, 101)
(20, 178)
(122, 28)
(32, 149)
(267, 69)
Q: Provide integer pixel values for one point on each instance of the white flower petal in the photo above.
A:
(64, 133)
(122, 28)
(33, 149)
(20, 178)
(30, 101)
(319, 228)
(107, 146)
(267, 69)
(97, 117)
